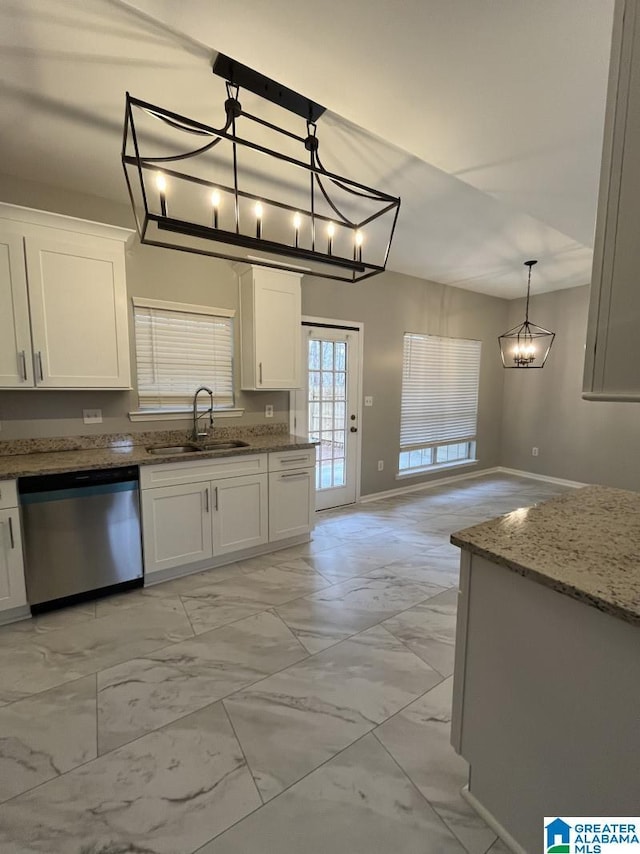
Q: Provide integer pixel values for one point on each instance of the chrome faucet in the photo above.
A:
(195, 435)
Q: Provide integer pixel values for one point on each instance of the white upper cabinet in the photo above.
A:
(270, 316)
(63, 302)
(16, 367)
(613, 344)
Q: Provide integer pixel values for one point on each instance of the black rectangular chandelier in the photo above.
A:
(215, 191)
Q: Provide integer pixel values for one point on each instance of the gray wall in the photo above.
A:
(151, 272)
(587, 441)
(390, 305)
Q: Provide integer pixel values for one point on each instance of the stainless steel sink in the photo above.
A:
(223, 445)
(171, 450)
(206, 447)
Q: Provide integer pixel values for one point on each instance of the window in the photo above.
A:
(440, 378)
(180, 347)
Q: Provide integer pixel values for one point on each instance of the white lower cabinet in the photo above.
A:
(197, 512)
(240, 513)
(291, 503)
(190, 523)
(12, 588)
(176, 523)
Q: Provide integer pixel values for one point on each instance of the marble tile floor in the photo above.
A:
(298, 701)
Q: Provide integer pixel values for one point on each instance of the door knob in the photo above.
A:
(354, 429)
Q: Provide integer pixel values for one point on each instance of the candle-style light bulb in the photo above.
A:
(215, 204)
(358, 240)
(524, 353)
(161, 184)
(331, 230)
(258, 213)
(297, 222)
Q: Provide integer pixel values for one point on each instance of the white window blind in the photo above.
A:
(178, 350)
(440, 380)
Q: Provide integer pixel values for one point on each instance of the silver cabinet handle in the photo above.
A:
(11, 540)
(216, 505)
(260, 369)
(295, 474)
(39, 361)
(23, 365)
(206, 499)
(294, 459)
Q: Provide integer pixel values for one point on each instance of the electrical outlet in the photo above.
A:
(534, 452)
(368, 401)
(268, 411)
(380, 465)
(92, 416)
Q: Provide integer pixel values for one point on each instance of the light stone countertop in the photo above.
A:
(585, 544)
(42, 460)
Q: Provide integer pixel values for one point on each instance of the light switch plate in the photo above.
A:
(92, 416)
(368, 401)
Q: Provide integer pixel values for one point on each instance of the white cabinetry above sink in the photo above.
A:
(270, 318)
(63, 302)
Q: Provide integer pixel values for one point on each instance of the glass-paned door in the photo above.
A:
(331, 411)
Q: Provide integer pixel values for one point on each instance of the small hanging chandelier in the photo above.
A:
(225, 192)
(526, 345)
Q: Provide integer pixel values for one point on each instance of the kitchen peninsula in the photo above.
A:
(547, 673)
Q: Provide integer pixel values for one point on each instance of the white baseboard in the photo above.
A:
(174, 572)
(429, 484)
(443, 481)
(493, 822)
(575, 484)
(12, 615)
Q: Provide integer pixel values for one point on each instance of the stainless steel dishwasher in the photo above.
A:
(81, 534)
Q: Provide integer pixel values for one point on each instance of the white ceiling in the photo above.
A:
(486, 116)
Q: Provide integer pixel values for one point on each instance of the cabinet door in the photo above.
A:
(613, 345)
(77, 298)
(271, 347)
(176, 525)
(240, 513)
(291, 503)
(15, 335)
(12, 589)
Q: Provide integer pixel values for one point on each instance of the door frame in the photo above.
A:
(297, 400)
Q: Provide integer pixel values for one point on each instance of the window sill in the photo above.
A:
(180, 414)
(441, 467)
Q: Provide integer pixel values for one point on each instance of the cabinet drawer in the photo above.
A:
(8, 494)
(283, 460)
(194, 471)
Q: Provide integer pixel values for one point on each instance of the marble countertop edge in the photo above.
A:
(584, 544)
(58, 462)
(600, 601)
